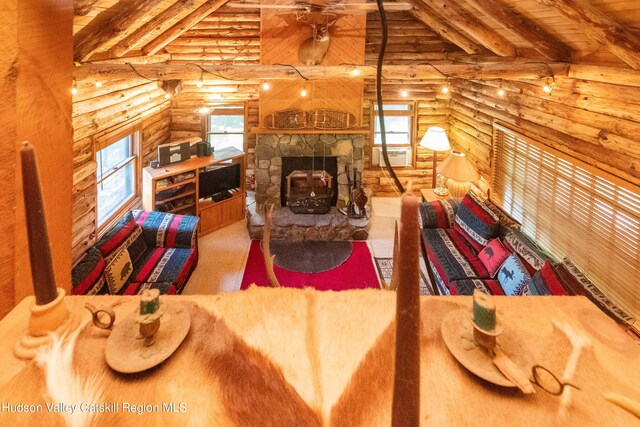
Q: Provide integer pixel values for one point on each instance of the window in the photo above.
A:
(572, 209)
(399, 127)
(398, 123)
(117, 175)
(225, 127)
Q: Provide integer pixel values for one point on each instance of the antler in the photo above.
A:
(266, 250)
(302, 17)
(395, 272)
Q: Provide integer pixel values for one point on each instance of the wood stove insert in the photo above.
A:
(309, 191)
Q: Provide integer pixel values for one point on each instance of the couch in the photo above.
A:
(470, 244)
(144, 250)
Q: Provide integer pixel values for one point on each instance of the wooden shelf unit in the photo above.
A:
(213, 215)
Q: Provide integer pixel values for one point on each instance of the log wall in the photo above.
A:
(596, 121)
(97, 111)
(228, 36)
(409, 42)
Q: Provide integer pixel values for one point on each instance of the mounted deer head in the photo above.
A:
(313, 50)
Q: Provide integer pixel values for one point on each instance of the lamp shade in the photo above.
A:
(458, 167)
(435, 139)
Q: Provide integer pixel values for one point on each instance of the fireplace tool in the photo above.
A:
(356, 206)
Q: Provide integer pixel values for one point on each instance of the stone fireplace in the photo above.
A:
(277, 156)
(309, 184)
(346, 149)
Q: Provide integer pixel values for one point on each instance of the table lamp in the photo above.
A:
(435, 139)
(459, 172)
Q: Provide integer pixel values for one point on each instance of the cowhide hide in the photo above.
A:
(224, 380)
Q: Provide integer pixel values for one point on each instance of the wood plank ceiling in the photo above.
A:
(577, 31)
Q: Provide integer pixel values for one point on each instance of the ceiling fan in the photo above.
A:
(330, 7)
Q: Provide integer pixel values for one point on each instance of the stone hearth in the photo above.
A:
(287, 225)
(270, 148)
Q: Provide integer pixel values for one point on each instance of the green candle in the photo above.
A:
(149, 301)
(484, 311)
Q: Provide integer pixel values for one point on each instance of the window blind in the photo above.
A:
(572, 209)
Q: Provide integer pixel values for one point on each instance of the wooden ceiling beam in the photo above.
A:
(427, 16)
(83, 7)
(91, 42)
(155, 26)
(182, 26)
(133, 57)
(600, 28)
(449, 69)
(549, 46)
(455, 14)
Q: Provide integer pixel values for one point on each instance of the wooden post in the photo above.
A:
(406, 385)
(36, 106)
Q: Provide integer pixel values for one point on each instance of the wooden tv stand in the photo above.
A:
(174, 188)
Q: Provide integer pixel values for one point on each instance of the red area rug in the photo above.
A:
(357, 272)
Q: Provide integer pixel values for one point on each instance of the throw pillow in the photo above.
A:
(88, 275)
(529, 252)
(513, 276)
(124, 234)
(546, 282)
(475, 222)
(591, 291)
(118, 271)
(493, 255)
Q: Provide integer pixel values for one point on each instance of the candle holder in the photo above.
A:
(484, 321)
(45, 319)
(148, 318)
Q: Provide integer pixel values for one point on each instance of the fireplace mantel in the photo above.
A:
(257, 130)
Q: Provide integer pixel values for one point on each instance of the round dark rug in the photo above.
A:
(310, 256)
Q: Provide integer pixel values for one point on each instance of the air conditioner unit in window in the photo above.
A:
(398, 156)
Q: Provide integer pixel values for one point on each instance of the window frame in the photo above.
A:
(227, 110)
(581, 193)
(413, 130)
(100, 143)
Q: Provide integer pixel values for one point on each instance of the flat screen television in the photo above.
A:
(216, 181)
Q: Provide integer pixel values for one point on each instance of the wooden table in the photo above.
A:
(429, 196)
(335, 349)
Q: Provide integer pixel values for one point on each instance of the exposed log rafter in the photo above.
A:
(600, 28)
(501, 70)
(91, 42)
(426, 15)
(454, 13)
(549, 46)
(182, 26)
(154, 26)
